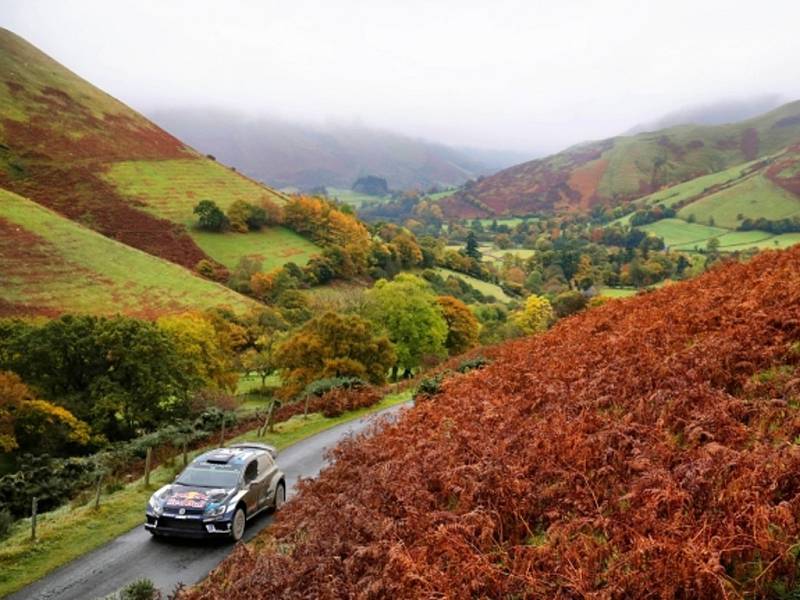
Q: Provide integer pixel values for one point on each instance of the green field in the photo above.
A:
(54, 265)
(755, 197)
(618, 292)
(697, 186)
(274, 246)
(172, 188)
(439, 195)
(484, 287)
(354, 199)
(676, 232)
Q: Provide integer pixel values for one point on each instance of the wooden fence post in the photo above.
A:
(34, 507)
(97, 492)
(147, 460)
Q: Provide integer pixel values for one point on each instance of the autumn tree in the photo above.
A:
(407, 310)
(462, 326)
(333, 345)
(31, 425)
(240, 214)
(206, 356)
(535, 316)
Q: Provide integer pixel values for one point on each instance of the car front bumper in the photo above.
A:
(190, 527)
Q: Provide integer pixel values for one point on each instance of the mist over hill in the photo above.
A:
(714, 113)
(304, 155)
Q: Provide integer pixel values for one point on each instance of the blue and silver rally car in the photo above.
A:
(218, 493)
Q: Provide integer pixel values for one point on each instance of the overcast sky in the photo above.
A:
(525, 75)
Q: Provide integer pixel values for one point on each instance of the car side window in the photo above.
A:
(251, 471)
(265, 463)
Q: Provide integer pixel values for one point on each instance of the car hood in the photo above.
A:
(183, 496)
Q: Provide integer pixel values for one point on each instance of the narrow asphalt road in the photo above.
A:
(136, 555)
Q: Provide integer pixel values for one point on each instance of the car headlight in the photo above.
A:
(215, 511)
(155, 504)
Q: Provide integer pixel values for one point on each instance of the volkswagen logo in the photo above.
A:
(182, 511)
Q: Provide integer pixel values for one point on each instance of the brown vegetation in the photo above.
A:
(642, 449)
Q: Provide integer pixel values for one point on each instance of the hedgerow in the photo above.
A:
(646, 448)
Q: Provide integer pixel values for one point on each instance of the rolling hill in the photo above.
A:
(74, 149)
(647, 448)
(718, 205)
(287, 154)
(625, 168)
(50, 265)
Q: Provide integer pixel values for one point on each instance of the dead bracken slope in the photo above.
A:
(643, 449)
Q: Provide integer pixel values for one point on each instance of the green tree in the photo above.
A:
(407, 309)
(462, 326)
(118, 374)
(471, 247)
(568, 303)
(210, 216)
(333, 345)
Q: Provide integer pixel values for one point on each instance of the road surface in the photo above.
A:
(135, 555)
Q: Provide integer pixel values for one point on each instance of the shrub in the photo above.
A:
(320, 387)
(473, 363)
(144, 589)
(430, 386)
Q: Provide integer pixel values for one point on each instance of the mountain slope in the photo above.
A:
(643, 449)
(720, 206)
(286, 154)
(73, 148)
(51, 265)
(625, 168)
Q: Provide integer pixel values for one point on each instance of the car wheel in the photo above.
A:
(238, 523)
(280, 496)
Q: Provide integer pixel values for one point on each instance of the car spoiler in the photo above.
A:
(273, 451)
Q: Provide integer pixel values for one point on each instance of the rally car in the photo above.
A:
(218, 493)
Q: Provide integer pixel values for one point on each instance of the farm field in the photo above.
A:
(677, 232)
(354, 199)
(756, 197)
(51, 265)
(698, 185)
(618, 292)
(274, 246)
(484, 287)
(170, 189)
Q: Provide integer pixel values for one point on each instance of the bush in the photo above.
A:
(144, 589)
(430, 386)
(320, 387)
(473, 363)
(6, 521)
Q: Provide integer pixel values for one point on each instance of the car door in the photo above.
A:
(251, 482)
(266, 476)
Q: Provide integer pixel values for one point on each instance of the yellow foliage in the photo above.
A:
(536, 316)
(205, 351)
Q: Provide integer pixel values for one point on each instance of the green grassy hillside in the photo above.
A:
(625, 168)
(715, 206)
(69, 146)
(50, 265)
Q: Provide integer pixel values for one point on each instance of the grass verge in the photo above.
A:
(71, 531)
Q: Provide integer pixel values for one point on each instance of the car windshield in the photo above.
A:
(212, 478)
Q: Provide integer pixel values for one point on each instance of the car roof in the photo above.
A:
(231, 457)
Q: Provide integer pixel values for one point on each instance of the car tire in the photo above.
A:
(280, 497)
(238, 524)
